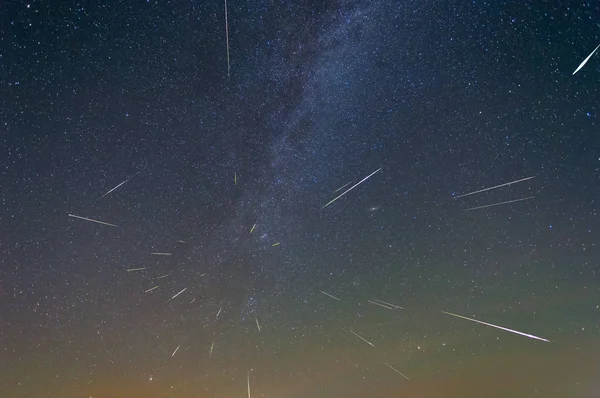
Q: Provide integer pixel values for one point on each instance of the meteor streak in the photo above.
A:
(500, 203)
(351, 188)
(494, 187)
(396, 370)
(96, 221)
(120, 184)
(362, 338)
(497, 327)
(179, 293)
(227, 40)
(330, 295)
(585, 60)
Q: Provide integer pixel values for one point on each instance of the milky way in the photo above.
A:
(209, 154)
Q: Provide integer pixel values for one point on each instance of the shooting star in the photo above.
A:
(191, 302)
(499, 203)
(494, 187)
(181, 241)
(249, 385)
(218, 312)
(211, 349)
(396, 370)
(362, 338)
(163, 276)
(120, 184)
(276, 244)
(175, 352)
(96, 221)
(257, 324)
(234, 178)
(254, 226)
(497, 327)
(227, 40)
(585, 60)
(161, 254)
(389, 304)
(351, 188)
(151, 289)
(179, 293)
(342, 187)
(381, 305)
(330, 295)
(135, 269)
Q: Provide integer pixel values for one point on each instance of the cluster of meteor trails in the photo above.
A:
(377, 302)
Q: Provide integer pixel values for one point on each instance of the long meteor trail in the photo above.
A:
(494, 187)
(96, 221)
(351, 188)
(585, 60)
(497, 327)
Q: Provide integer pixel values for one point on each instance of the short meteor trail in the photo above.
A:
(395, 370)
(497, 327)
(585, 60)
(351, 188)
(96, 221)
(500, 203)
(362, 338)
(120, 184)
(389, 304)
(175, 352)
(249, 385)
(252, 230)
(276, 244)
(135, 269)
(494, 187)
(342, 187)
(257, 324)
(179, 293)
(151, 289)
(161, 254)
(211, 349)
(218, 312)
(330, 295)
(227, 40)
(381, 305)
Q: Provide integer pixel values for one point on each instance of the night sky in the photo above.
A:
(230, 176)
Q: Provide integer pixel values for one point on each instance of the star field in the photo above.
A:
(228, 179)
